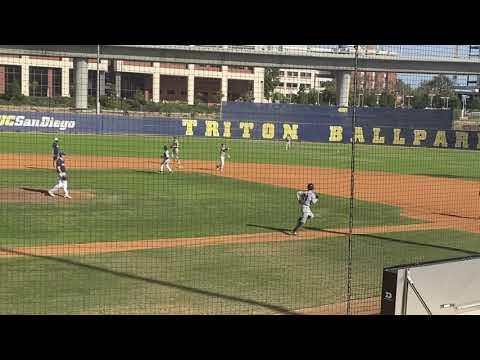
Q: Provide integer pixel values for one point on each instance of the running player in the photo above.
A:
(288, 143)
(305, 200)
(175, 150)
(223, 153)
(166, 159)
(62, 177)
(55, 151)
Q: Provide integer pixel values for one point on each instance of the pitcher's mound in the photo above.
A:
(35, 195)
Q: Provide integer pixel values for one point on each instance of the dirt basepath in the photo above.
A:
(119, 246)
(442, 203)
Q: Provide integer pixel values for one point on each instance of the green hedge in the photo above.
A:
(109, 103)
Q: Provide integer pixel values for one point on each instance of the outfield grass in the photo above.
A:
(404, 160)
(132, 205)
(240, 278)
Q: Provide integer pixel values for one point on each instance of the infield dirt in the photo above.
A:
(442, 203)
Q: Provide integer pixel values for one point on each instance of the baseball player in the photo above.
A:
(175, 149)
(62, 177)
(288, 143)
(223, 153)
(305, 200)
(166, 159)
(55, 151)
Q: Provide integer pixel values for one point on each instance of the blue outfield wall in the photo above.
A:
(267, 122)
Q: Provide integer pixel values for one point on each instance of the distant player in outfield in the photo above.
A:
(165, 159)
(55, 151)
(223, 153)
(175, 150)
(305, 200)
(62, 177)
(288, 142)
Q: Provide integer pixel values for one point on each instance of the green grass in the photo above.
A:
(241, 278)
(404, 160)
(132, 205)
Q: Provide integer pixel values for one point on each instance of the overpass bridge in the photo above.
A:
(341, 64)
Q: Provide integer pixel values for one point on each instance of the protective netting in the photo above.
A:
(156, 179)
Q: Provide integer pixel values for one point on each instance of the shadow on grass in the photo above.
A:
(448, 176)
(275, 308)
(41, 191)
(458, 216)
(148, 171)
(378, 237)
(282, 230)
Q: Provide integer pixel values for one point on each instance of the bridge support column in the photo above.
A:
(258, 85)
(81, 83)
(191, 90)
(25, 76)
(118, 84)
(224, 89)
(343, 87)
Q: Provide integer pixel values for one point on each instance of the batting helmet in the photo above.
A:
(310, 186)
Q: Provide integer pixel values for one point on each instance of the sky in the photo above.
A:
(423, 51)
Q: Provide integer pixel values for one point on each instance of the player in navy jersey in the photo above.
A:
(165, 159)
(55, 151)
(62, 177)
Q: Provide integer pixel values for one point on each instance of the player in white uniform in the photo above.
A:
(166, 159)
(62, 177)
(288, 143)
(223, 153)
(175, 150)
(305, 199)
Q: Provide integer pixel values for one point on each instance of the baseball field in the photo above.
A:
(196, 241)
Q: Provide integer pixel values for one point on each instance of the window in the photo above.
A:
(45, 81)
(292, 85)
(307, 86)
(171, 92)
(305, 75)
(281, 73)
(290, 73)
(295, 73)
(13, 78)
(281, 84)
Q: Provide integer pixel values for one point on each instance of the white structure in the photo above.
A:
(291, 79)
(160, 82)
(65, 64)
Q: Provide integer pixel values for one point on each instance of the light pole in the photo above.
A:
(98, 79)
(378, 99)
(445, 101)
(408, 99)
(431, 100)
(464, 104)
(360, 102)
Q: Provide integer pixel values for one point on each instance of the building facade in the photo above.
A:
(291, 79)
(154, 81)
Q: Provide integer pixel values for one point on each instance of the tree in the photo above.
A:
(441, 86)
(329, 95)
(271, 81)
(14, 92)
(475, 103)
(302, 96)
(278, 97)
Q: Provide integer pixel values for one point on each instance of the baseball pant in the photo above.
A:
(62, 184)
(165, 164)
(222, 163)
(306, 214)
